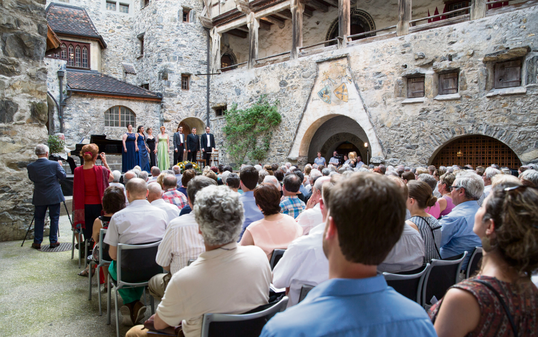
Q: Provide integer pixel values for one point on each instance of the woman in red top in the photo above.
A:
(501, 300)
(89, 184)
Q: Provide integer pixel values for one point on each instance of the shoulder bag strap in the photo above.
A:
(433, 236)
(503, 303)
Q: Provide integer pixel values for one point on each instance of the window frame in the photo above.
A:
(115, 3)
(185, 82)
(122, 4)
(68, 47)
(119, 114)
(220, 111)
(186, 15)
(447, 90)
(410, 79)
(496, 74)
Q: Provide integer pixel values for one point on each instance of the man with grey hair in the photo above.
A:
(216, 281)
(489, 173)
(171, 194)
(143, 175)
(182, 241)
(155, 172)
(457, 227)
(177, 173)
(312, 215)
(272, 180)
(137, 223)
(529, 177)
(128, 176)
(46, 175)
(155, 198)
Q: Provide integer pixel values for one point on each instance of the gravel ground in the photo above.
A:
(42, 295)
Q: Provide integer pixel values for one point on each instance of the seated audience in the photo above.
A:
(177, 173)
(171, 195)
(227, 278)
(273, 180)
(137, 223)
(182, 242)
(312, 215)
(408, 176)
(248, 181)
(435, 209)
(232, 181)
(291, 204)
(420, 197)
(155, 172)
(356, 299)
(457, 227)
(529, 177)
(275, 230)
(501, 300)
(445, 202)
(155, 198)
(187, 175)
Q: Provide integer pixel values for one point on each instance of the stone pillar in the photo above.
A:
(478, 9)
(215, 50)
(253, 27)
(404, 16)
(344, 21)
(297, 9)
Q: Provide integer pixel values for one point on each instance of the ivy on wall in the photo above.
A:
(248, 132)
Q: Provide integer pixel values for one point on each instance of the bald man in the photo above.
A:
(138, 223)
(155, 198)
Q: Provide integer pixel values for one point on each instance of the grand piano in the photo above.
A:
(108, 146)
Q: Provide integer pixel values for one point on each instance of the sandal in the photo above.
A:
(84, 273)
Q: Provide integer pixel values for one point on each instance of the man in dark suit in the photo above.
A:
(193, 146)
(207, 145)
(179, 145)
(46, 175)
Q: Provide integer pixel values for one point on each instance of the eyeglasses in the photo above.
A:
(450, 188)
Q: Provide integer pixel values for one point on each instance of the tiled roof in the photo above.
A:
(92, 82)
(71, 20)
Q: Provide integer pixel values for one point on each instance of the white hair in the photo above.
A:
(471, 182)
(319, 183)
(258, 167)
(116, 175)
(224, 176)
(490, 172)
(143, 175)
(272, 180)
(531, 176)
(219, 213)
(41, 149)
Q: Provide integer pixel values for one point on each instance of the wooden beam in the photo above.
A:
(243, 29)
(308, 12)
(478, 9)
(333, 3)
(297, 9)
(404, 16)
(344, 26)
(319, 6)
(253, 27)
(275, 20)
(285, 13)
(238, 33)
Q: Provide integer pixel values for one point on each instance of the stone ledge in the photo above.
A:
(448, 97)
(507, 91)
(414, 100)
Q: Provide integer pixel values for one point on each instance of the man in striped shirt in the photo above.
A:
(182, 241)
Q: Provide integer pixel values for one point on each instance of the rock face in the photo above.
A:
(23, 108)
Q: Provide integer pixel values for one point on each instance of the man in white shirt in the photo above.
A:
(137, 223)
(407, 254)
(182, 241)
(312, 216)
(226, 278)
(155, 198)
(335, 160)
(155, 172)
(304, 261)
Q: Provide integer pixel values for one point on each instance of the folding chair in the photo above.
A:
(104, 260)
(474, 261)
(408, 283)
(78, 231)
(135, 266)
(277, 255)
(305, 289)
(249, 324)
(440, 276)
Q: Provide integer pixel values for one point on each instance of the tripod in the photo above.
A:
(29, 227)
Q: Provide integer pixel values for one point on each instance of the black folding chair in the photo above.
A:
(277, 255)
(441, 275)
(474, 262)
(408, 283)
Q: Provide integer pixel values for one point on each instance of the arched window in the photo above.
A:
(119, 116)
(228, 59)
(77, 56)
(361, 22)
(71, 56)
(84, 57)
(63, 54)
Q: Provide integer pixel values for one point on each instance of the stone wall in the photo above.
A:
(23, 108)
(408, 133)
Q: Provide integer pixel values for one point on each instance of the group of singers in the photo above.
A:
(139, 149)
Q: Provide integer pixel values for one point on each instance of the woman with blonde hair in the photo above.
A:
(501, 300)
(89, 184)
(162, 149)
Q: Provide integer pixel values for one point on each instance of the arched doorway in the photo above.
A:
(360, 22)
(192, 122)
(228, 59)
(476, 151)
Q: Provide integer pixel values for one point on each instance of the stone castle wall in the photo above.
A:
(409, 133)
(23, 108)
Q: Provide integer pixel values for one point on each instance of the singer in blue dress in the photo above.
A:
(143, 159)
(128, 160)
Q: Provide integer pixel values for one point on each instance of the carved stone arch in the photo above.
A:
(228, 58)
(359, 19)
(189, 123)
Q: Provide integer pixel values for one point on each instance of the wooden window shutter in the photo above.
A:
(415, 87)
(448, 83)
(508, 74)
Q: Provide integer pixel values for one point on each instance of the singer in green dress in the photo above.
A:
(162, 150)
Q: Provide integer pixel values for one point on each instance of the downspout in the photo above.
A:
(208, 77)
(61, 74)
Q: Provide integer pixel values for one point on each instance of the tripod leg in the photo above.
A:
(68, 216)
(28, 231)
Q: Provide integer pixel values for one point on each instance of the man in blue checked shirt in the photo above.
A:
(291, 204)
(356, 301)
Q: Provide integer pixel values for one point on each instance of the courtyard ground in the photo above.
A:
(42, 295)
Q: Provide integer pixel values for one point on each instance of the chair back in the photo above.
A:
(474, 262)
(137, 263)
(104, 257)
(245, 325)
(441, 275)
(409, 283)
(305, 289)
(277, 255)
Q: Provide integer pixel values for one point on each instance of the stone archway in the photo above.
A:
(192, 122)
(339, 139)
(475, 150)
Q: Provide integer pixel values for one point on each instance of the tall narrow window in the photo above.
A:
(85, 57)
(63, 53)
(77, 56)
(186, 14)
(508, 74)
(185, 79)
(141, 40)
(448, 83)
(71, 56)
(415, 87)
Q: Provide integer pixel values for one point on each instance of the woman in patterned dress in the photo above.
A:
(501, 300)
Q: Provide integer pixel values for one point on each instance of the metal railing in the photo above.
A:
(272, 56)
